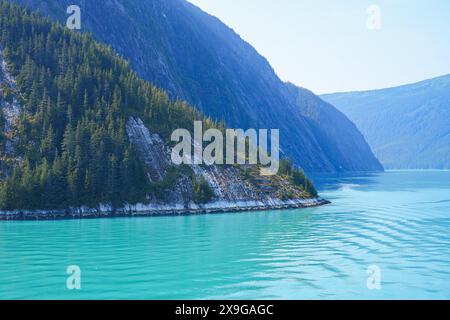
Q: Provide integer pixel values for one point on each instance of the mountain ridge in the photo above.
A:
(445, 76)
(407, 126)
(194, 56)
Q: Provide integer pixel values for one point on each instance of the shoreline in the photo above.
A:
(159, 211)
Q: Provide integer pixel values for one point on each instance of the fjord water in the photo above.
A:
(397, 221)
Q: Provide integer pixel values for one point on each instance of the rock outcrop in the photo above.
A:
(9, 102)
(9, 112)
(229, 186)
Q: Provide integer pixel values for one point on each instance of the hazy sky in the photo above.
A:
(327, 46)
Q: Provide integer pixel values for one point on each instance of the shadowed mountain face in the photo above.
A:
(195, 57)
(332, 129)
(408, 127)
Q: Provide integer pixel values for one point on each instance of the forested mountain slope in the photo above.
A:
(75, 133)
(194, 56)
(408, 127)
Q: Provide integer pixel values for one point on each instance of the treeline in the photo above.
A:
(77, 96)
(296, 176)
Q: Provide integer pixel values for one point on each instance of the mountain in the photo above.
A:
(81, 134)
(195, 57)
(329, 126)
(408, 127)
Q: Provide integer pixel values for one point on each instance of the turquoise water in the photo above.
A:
(398, 221)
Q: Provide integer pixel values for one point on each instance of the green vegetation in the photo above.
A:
(296, 176)
(6, 93)
(77, 96)
(70, 143)
(202, 191)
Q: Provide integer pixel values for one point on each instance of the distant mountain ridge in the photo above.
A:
(195, 57)
(328, 125)
(408, 127)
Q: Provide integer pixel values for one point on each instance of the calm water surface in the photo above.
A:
(398, 221)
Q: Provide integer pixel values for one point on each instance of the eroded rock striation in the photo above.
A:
(9, 112)
(232, 191)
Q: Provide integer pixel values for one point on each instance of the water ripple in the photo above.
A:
(317, 253)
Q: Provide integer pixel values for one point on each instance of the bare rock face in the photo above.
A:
(224, 181)
(232, 190)
(8, 96)
(10, 109)
(150, 148)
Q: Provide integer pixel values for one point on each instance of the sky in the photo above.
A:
(346, 45)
